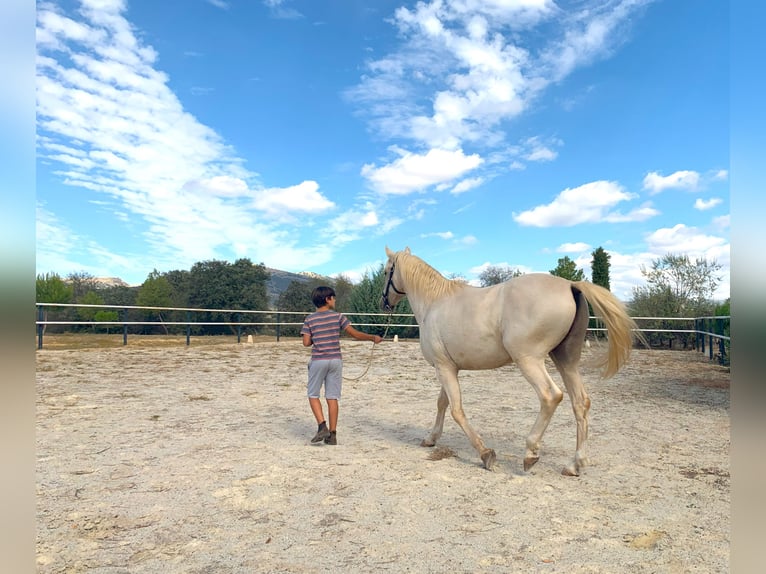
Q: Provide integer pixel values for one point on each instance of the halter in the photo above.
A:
(390, 284)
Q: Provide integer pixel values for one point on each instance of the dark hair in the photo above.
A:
(320, 294)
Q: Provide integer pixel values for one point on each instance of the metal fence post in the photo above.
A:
(124, 327)
(40, 317)
(188, 327)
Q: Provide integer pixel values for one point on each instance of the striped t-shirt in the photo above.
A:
(324, 328)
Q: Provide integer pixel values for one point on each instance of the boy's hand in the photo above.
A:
(376, 339)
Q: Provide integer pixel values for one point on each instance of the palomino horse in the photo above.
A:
(523, 320)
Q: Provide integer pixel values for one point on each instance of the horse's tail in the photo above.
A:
(619, 325)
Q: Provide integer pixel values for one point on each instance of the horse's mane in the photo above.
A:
(420, 277)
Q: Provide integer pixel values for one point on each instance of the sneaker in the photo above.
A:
(332, 438)
(321, 435)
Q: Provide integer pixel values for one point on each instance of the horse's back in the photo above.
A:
(486, 327)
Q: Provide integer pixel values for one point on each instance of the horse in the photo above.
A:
(522, 321)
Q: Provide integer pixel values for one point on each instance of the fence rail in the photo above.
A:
(710, 330)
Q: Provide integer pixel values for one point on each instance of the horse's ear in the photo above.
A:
(407, 250)
(389, 253)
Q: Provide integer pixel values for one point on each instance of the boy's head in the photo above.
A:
(321, 295)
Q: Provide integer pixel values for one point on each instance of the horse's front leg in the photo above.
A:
(436, 431)
(451, 390)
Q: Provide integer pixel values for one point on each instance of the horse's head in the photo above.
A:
(391, 293)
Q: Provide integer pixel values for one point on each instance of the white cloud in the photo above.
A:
(573, 247)
(220, 186)
(348, 226)
(722, 223)
(415, 172)
(109, 119)
(721, 175)
(479, 63)
(588, 203)
(656, 183)
(467, 185)
(219, 4)
(687, 240)
(538, 151)
(304, 197)
(704, 204)
(439, 234)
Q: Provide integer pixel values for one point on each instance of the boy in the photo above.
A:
(322, 330)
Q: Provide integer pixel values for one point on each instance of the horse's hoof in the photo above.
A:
(530, 461)
(488, 458)
(425, 442)
(570, 470)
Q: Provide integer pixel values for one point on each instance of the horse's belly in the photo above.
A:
(479, 355)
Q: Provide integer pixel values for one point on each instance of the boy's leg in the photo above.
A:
(332, 389)
(316, 408)
(332, 413)
(317, 374)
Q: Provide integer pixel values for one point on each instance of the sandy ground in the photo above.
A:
(197, 459)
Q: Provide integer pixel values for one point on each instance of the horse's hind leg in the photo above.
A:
(567, 359)
(441, 407)
(550, 396)
(570, 373)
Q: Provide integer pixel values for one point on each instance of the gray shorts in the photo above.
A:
(329, 373)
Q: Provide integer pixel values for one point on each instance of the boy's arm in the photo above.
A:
(307, 342)
(362, 336)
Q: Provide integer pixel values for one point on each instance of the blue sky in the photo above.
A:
(308, 135)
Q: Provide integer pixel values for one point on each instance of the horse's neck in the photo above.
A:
(424, 285)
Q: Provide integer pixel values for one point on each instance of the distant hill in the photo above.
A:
(281, 279)
(110, 282)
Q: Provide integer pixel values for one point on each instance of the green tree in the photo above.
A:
(494, 274)
(296, 298)
(599, 267)
(89, 313)
(155, 291)
(51, 288)
(103, 315)
(119, 295)
(364, 305)
(675, 287)
(343, 288)
(690, 284)
(180, 285)
(82, 283)
(567, 269)
(222, 285)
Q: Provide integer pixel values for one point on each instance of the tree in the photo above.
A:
(89, 313)
(494, 274)
(675, 287)
(690, 285)
(50, 288)
(296, 298)
(82, 282)
(364, 304)
(180, 286)
(567, 269)
(599, 267)
(343, 288)
(155, 292)
(102, 316)
(222, 285)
